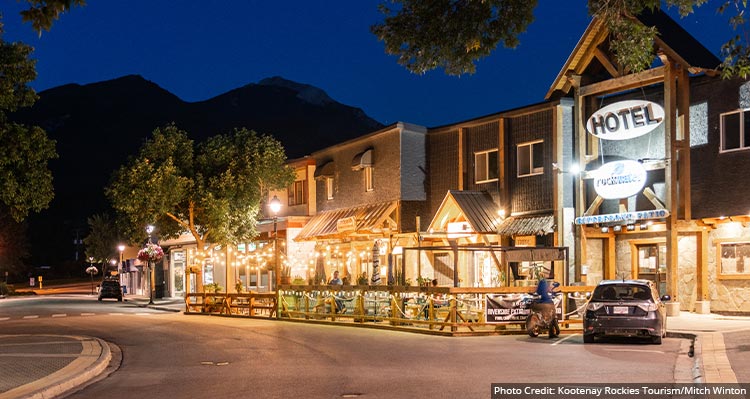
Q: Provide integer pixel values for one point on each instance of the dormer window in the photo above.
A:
(363, 161)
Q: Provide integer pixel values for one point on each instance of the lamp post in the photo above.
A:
(149, 230)
(275, 205)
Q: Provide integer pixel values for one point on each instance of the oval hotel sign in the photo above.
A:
(619, 179)
(625, 120)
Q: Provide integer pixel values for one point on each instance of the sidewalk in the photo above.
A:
(44, 366)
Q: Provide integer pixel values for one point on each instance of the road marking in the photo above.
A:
(564, 339)
(635, 350)
(116, 314)
(4, 318)
(88, 314)
(59, 315)
(143, 314)
(31, 316)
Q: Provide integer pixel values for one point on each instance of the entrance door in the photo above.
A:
(652, 264)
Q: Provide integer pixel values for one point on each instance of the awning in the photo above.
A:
(527, 226)
(365, 219)
(325, 170)
(362, 160)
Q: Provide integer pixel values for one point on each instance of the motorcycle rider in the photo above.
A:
(545, 305)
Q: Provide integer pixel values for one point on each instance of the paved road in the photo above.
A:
(174, 355)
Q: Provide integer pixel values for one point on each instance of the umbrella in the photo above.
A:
(375, 264)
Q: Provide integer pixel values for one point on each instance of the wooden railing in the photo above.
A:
(442, 310)
(436, 310)
(251, 304)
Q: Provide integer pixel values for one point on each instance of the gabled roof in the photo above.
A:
(672, 39)
(474, 207)
(364, 219)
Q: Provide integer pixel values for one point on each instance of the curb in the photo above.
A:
(72, 376)
(695, 352)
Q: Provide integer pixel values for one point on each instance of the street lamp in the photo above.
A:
(275, 205)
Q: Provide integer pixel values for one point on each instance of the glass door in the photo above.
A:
(652, 264)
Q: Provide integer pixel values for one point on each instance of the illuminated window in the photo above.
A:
(329, 188)
(297, 193)
(485, 166)
(368, 178)
(735, 130)
(531, 158)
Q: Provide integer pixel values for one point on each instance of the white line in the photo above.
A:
(4, 318)
(634, 350)
(59, 315)
(88, 314)
(33, 316)
(143, 314)
(564, 339)
(116, 314)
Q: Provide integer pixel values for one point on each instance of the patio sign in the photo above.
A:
(513, 307)
(623, 217)
(619, 179)
(625, 120)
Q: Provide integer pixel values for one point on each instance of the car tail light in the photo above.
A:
(594, 306)
(649, 307)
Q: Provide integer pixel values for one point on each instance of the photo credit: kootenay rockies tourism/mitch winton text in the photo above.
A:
(617, 391)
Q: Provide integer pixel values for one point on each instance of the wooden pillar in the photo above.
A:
(670, 177)
(610, 258)
(701, 280)
(579, 154)
(683, 119)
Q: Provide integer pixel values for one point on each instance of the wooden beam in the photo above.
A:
(701, 281)
(594, 206)
(610, 258)
(651, 195)
(645, 78)
(606, 63)
(683, 124)
(670, 175)
(579, 253)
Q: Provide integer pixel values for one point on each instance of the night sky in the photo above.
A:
(198, 49)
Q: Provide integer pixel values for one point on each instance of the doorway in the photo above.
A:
(650, 262)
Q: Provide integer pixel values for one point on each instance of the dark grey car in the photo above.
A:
(630, 308)
(110, 289)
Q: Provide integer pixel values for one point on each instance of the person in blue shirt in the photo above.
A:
(545, 304)
(340, 308)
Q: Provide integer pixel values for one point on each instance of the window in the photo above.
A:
(485, 166)
(297, 193)
(734, 260)
(531, 158)
(329, 188)
(368, 178)
(735, 130)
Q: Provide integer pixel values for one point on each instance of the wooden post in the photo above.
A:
(670, 177)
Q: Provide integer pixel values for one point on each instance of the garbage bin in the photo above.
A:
(159, 293)
(124, 290)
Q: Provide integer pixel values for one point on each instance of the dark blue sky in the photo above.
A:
(198, 49)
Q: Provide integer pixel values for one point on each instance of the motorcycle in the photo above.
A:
(542, 319)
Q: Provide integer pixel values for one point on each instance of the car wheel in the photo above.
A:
(656, 339)
(588, 338)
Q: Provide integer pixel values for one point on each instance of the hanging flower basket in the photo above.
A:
(150, 253)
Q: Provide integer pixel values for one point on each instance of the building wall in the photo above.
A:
(413, 166)
(481, 138)
(349, 185)
(442, 167)
(532, 193)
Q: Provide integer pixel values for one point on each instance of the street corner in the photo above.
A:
(43, 366)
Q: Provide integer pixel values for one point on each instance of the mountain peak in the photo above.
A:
(308, 93)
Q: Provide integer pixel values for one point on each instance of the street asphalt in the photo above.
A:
(46, 366)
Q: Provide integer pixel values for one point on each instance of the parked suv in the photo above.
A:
(110, 289)
(630, 308)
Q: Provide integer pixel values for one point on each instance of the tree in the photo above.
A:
(454, 34)
(101, 243)
(25, 179)
(212, 191)
(42, 13)
(13, 247)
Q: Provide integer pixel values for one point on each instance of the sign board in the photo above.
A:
(513, 307)
(346, 224)
(623, 217)
(619, 179)
(625, 120)
(525, 241)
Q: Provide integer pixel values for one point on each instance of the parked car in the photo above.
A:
(110, 289)
(629, 308)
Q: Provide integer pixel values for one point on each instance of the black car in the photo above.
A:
(110, 289)
(629, 308)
